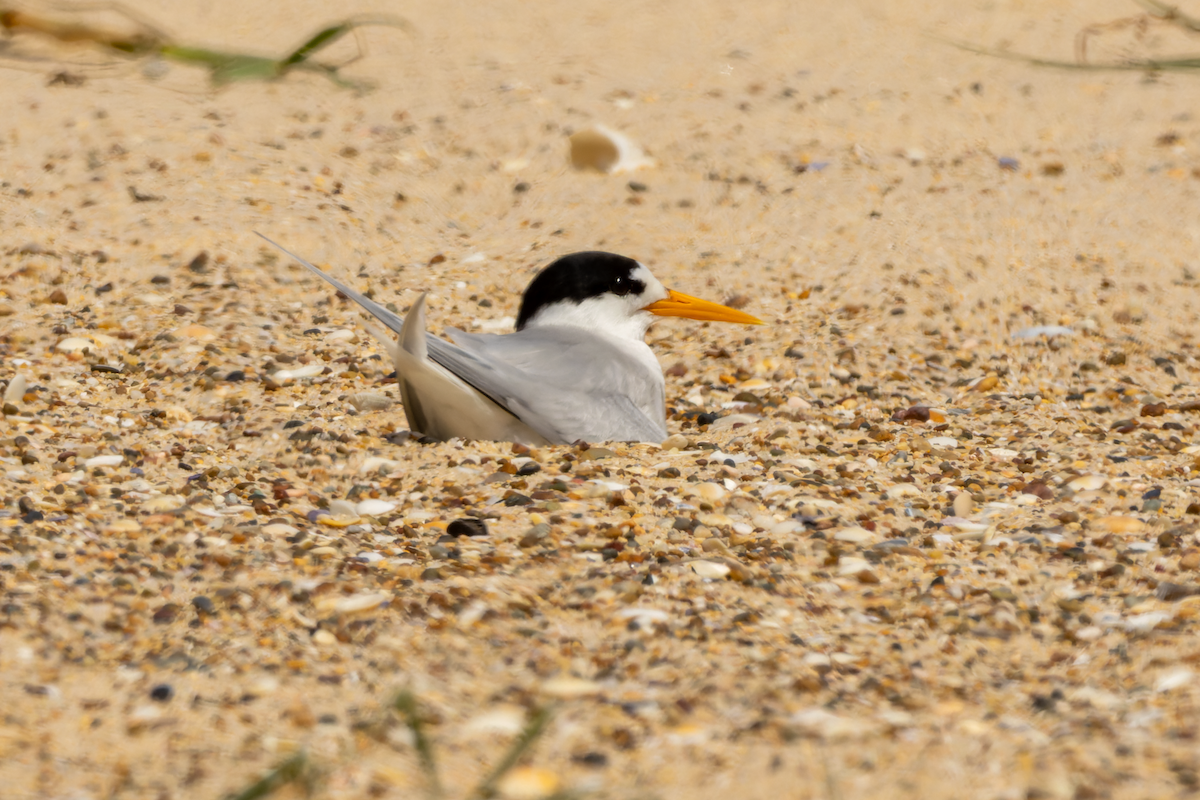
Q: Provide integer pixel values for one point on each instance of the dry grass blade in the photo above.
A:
(143, 38)
(293, 770)
(528, 736)
(406, 704)
(224, 67)
(1145, 65)
(1156, 12)
(1170, 14)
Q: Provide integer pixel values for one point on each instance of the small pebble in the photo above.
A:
(468, 526)
(203, 605)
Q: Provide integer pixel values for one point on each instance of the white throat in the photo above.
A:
(621, 317)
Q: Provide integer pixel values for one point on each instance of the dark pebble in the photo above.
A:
(1039, 489)
(684, 524)
(516, 499)
(529, 468)
(203, 605)
(237, 376)
(311, 516)
(162, 693)
(591, 758)
(535, 535)
(33, 516)
(199, 264)
(431, 574)
(167, 613)
(468, 526)
(1170, 592)
(912, 414)
(293, 423)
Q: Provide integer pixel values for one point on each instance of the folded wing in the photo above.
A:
(566, 383)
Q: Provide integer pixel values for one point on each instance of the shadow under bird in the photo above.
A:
(577, 367)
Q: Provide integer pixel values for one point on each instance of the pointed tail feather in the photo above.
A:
(379, 312)
(412, 335)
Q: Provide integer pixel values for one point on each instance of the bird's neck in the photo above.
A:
(596, 316)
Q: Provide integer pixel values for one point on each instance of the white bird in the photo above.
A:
(577, 367)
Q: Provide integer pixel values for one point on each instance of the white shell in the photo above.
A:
(374, 508)
(74, 344)
(710, 569)
(852, 565)
(104, 461)
(343, 509)
(16, 389)
(1049, 331)
(854, 535)
(309, 371)
(1087, 483)
(370, 401)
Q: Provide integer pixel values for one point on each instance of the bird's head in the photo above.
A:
(616, 294)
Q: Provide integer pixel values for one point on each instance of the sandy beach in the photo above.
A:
(929, 532)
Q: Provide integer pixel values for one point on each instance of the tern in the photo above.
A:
(576, 368)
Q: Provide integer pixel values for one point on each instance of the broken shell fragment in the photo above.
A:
(603, 149)
(370, 401)
(15, 392)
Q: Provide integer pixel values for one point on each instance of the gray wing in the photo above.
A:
(566, 383)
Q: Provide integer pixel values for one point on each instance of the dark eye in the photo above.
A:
(620, 286)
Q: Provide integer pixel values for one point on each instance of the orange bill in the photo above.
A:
(682, 305)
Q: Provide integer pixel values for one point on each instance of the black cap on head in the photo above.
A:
(578, 277)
